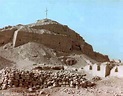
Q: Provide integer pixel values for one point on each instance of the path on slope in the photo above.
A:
(15, 35)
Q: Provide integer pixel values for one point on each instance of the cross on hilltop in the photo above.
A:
(46, 12)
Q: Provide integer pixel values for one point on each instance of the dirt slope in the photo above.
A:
(44, 42)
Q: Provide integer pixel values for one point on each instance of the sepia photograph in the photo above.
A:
(61, 47)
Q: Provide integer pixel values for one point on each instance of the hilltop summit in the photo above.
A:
(46, 21)
(43, 22)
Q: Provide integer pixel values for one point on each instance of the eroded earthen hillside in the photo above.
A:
(59, 38)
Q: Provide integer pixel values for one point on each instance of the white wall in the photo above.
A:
(101, 72)
(94, 71)
(87, 69)
(119, 73)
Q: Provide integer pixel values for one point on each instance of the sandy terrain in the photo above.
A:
(106, 87)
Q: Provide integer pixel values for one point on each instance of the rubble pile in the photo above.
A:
(12, 78)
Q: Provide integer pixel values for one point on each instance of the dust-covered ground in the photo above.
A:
(110, 86)
(26, 58)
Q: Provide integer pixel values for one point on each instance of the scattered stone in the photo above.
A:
(42, 79)
(96, 78)
(4, 86)
(30, 89)
(48, 95)
(42, 92)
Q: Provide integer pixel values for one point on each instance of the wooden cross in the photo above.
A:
(46, 12)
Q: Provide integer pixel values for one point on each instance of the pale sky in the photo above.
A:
(99, 22)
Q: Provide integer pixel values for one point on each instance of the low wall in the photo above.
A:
(98, 70)
(117, 71)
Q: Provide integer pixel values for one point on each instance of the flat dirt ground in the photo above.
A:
(110, 86)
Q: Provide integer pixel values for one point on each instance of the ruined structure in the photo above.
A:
(105, 69)
(101, 70)
(51, 34)
(117, 71)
